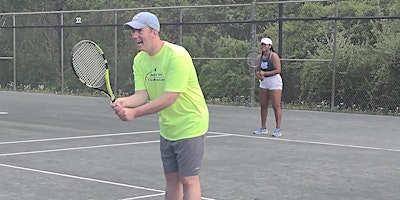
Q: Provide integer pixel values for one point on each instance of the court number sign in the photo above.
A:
(78, 20)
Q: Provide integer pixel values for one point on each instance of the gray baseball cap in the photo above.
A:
(142, 20)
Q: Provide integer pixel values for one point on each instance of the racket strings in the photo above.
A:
(90, 65)
(252, 59)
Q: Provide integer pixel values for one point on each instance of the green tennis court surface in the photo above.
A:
(70, 147)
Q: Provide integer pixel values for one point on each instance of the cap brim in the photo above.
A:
(133, 25)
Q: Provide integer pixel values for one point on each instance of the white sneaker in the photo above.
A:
(277, 133)
(260, 131)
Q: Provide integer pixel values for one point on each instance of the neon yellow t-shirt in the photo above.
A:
(172, 70)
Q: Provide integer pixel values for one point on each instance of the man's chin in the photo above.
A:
(140, 48)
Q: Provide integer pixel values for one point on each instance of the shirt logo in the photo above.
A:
(264, 65)
(154, 76)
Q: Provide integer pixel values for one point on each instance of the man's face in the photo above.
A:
(143, 38)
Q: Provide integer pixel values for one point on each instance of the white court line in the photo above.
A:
(3, 113)
(155, 195)
(160, 192)
(82, 178)
(79, 137)
(89, 147)
(78, 148)
(144, 197)
(309, 142)
(90, 136)
(218, 135)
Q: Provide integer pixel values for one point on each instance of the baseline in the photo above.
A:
(309, 142)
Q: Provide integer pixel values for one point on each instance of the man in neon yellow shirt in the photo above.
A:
(165, 75)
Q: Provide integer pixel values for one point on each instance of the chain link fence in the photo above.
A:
(317, 74)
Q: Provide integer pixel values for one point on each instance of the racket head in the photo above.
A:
(252, 59)
(91, 66)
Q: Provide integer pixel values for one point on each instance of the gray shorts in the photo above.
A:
(182, 156)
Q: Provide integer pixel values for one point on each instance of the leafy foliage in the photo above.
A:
(366, 69)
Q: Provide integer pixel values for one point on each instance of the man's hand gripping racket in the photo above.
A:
(91, 67)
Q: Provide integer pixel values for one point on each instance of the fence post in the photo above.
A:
(253, 45)
(62, 51)
(334, 57)
(15, 57)
(280, 31)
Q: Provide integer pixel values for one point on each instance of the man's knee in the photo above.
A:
(190, 180)
(172, 178)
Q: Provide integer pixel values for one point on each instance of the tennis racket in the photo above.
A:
(252, 59)
(91, 67)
